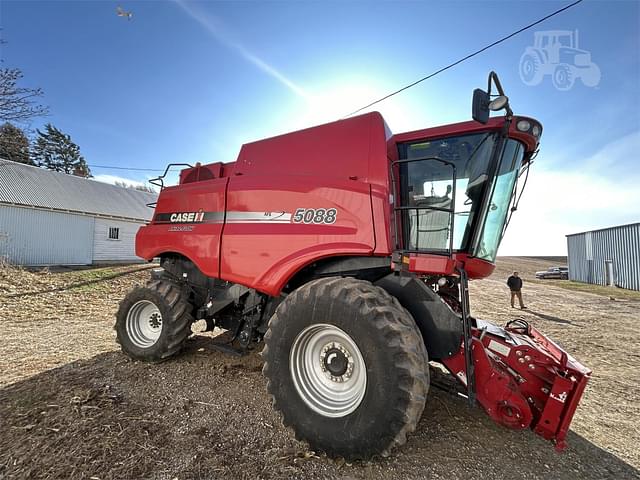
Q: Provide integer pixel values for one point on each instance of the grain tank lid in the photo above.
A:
(336, 149)
(210, 171)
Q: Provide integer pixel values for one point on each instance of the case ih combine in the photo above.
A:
(347, 251)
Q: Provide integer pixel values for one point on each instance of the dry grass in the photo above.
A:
(50, 319)
(616, 293)
(206, 415)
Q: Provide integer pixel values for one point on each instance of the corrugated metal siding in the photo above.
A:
(590, 251)
(123, 249)
(38, 237)
(32, 186)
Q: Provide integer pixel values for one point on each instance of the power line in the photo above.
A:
(127, 168)
(477, 52)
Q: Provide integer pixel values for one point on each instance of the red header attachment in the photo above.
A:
(524, 379)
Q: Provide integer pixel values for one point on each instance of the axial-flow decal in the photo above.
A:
(318, 216)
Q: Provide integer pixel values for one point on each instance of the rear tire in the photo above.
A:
(373, 393)
(153, 322)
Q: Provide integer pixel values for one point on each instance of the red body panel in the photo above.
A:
(355, 148)
(262, 254)
(199, 242)
(494, 124)
(382, 207)
(443, 265)
(342, 165)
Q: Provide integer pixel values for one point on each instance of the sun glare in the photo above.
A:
(336, 101)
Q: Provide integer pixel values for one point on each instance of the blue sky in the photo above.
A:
(191, 81)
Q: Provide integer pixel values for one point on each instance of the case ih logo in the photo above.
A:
(187, 217)
(180, 217)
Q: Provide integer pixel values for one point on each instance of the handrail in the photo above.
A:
(159, 181)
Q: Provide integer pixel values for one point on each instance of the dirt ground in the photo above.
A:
(72, 406)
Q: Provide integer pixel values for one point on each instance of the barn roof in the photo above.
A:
(30, 186)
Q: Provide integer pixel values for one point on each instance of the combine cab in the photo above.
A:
(347, 251)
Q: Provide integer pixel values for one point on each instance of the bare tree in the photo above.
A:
(135, 186)
(18, 104)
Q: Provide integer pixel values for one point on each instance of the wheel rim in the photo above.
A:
(144, 324)
(328, 370)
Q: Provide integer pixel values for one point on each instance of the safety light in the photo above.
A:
(523, 125)
(498, 103)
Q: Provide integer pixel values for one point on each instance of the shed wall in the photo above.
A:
(39, 237)
(109, 250)
(589, 252)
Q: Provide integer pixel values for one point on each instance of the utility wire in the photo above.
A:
(406, 87)
(127, 168)
(477, 52)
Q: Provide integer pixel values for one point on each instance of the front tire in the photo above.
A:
(153, 322)
(347, 367)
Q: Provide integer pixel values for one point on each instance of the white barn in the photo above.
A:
(51, 218)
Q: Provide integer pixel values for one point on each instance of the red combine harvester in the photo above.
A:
(347, 250)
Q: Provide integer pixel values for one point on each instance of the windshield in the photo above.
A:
(448, 192)
(500, 200)
(427, 189)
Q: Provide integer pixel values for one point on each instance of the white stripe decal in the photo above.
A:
(258, 217)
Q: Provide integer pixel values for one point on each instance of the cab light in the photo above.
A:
(523, 125)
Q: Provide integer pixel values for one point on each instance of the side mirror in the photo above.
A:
(480, 106)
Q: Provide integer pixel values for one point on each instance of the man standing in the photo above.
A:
(515, 285)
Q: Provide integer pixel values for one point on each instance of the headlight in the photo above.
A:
(523, 125)
(536, 131)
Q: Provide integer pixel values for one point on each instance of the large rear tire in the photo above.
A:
(347, 367)
(153, 322)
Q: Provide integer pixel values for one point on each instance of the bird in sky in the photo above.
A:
(121, 13)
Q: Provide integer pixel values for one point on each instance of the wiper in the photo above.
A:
(515, 195)
(469, 200)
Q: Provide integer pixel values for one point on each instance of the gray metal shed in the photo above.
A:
(51, 218)
(608, 256)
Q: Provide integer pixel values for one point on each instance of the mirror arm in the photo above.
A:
(496, 81)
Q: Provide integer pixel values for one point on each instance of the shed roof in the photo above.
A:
(601, 229)
(37, 187)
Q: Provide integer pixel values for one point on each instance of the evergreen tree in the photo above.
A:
(55, 150)
(14, 144)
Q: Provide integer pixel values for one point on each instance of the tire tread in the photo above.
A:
(389, 320)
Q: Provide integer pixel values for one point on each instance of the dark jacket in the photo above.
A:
(515, 283)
